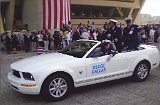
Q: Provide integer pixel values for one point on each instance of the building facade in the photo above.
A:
(18, 14)
(148, 19)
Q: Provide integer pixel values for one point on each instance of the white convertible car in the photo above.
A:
(79, 64)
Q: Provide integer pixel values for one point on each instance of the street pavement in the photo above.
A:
(117, 92)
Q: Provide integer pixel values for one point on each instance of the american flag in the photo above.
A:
(56, 13)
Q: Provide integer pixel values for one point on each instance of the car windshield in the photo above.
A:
(78, 49)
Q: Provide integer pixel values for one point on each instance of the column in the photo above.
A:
(10, 15)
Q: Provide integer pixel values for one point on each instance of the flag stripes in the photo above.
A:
(56, 12)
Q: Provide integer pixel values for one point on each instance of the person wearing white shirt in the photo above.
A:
(152, 34)
(68, 37)
(40, 39)
(95, 35)
(93, 26)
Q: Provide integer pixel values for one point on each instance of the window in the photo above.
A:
(78, 49)
(101, 12)
(97, 52)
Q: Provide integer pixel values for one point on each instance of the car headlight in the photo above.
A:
(16, 73)
(28, 76)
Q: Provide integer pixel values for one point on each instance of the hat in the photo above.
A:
(128, 19)
(112, 20)
(106, 41)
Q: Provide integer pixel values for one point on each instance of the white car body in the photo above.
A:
(84, 71)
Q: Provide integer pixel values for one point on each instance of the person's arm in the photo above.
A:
(125, 37)
(112, 54)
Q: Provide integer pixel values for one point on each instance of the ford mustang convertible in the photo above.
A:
(81, 63)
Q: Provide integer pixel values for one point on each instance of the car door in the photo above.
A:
(131, 58)
(99, 70)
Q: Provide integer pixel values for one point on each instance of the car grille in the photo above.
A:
(16, 73)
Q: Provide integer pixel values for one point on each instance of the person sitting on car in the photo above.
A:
(109, 49)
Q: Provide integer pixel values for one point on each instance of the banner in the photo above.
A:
(56, 13)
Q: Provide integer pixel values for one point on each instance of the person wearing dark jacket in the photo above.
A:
(14, 42)
(100, 35)
(33, 39)
(76, 35)
(8, 44)
(57, 39)
(130, 35)
(105, 26)
(26, 42)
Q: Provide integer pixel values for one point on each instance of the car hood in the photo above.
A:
(41, 61)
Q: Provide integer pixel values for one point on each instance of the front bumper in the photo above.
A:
(19, 84)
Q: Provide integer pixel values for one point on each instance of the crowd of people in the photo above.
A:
(128, 37)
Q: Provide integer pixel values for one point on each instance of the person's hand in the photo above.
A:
(109, 58)
(116, 40)
(122, 43)
(108, 35)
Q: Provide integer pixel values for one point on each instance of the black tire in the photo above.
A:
(140, 75)
(46, 87)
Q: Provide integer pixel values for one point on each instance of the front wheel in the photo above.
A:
(141, 71)
(56, 87)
